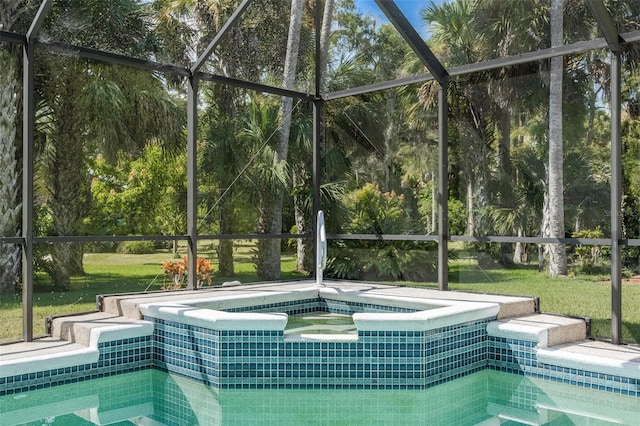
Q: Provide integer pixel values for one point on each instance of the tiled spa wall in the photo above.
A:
(378, 359)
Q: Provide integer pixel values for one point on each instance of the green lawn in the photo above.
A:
(583, 295)
(107, 273)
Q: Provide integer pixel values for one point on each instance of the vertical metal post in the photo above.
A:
(317, 22)
(443, 188)
(616, 200)
(318, 119)
(192, 182)
(318, 113)
(28, 124)
(28, 121)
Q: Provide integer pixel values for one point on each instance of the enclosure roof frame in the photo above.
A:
(413, 39)
(606, 24)
(216, 40)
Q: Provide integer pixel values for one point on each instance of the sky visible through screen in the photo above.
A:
(410, 9)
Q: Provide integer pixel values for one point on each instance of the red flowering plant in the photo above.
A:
(175, 272)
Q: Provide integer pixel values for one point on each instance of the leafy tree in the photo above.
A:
(94, 108)
(143, 196)
(456, 34)
(222, 157)
(269, 250)
(255, 50)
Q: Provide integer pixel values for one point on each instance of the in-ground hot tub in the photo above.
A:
(239, 341)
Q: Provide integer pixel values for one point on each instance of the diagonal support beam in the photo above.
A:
(36, 24)
(227, 25)
(606, 24)
(411, 36)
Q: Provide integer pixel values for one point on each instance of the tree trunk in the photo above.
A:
(10, 184)
(480, 195)
(434, 204)
(557, 252)
(506, 175)
(520, 252)
(67, 203)
(269, 250)
(301, 221)
(225, 247)
(470, 222)
(325, 33)
(226, 263)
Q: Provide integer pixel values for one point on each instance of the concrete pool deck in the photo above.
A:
(560, 340)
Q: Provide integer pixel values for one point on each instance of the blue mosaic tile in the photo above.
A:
(259, 359)
(519, 357)
(116, 357)
(296, 307)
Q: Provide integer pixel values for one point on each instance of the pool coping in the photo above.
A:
(128, 305)
(15, 362)
(430, 313)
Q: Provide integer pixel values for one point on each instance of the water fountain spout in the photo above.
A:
(321, 248)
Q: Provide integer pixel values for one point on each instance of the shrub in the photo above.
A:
(136, 247)
(588, 259)
(101, 247)
(376, 212)
(175, 272)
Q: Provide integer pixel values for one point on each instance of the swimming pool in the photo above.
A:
(151, 397)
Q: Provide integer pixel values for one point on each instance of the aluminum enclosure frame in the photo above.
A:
(611, 40)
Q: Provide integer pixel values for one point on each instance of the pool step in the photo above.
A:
(562, 342)
(74, 341)
(320, 325)
(92, 328)
(600, 357)
(43, 354)
(545, 329)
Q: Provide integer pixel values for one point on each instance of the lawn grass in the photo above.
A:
(583, 295)
(107, 273)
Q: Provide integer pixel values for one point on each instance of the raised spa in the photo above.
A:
(241, 340)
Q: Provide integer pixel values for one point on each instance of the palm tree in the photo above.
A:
(455, 31)
(220, 161)
(10, 171)
(267, 176)
(252, 51)
(303, 212)
(554, 202)
(269, 257)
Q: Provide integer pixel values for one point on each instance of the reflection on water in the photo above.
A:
(155, 398)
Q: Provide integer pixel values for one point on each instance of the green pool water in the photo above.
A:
(154, 398)
(320, 323)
